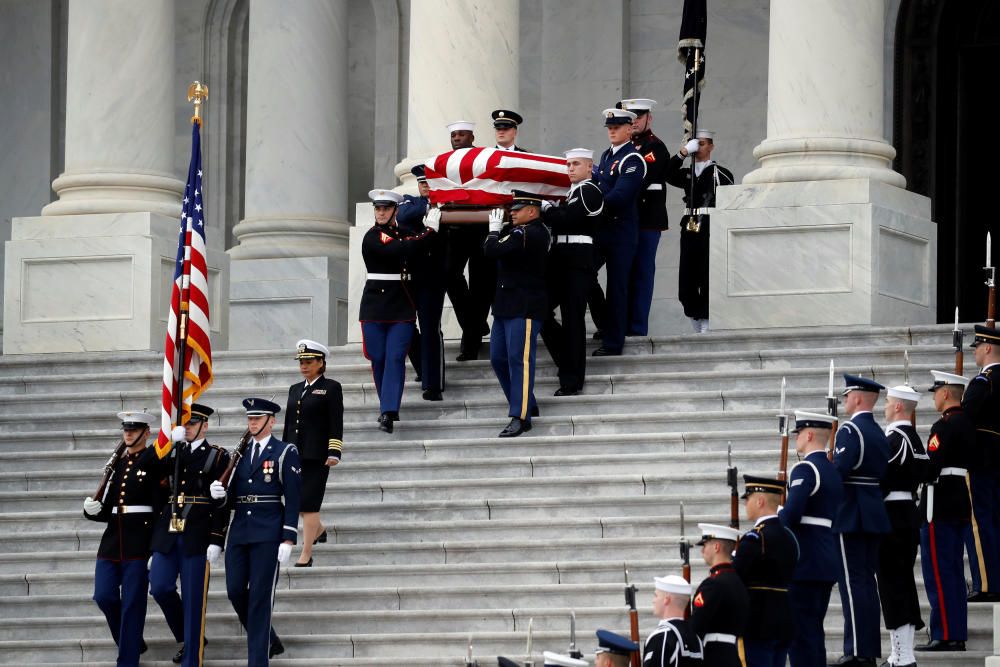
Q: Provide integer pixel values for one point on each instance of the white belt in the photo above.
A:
(719, 637)
(574, 238)
(384, 276)
(899, 495)
(698, 211)
(816, 521)
(130, 509)
(655, 186)
(957, 472)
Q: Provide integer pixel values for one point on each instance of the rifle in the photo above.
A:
(685, 560)
(783, 432)
(469, 661)
(991, 284)
(831, 409)
(906, 381)
(633, 618)
(234, 460)
(109, 469)
(529, 662)
(734, 491)
(573, 651)
(957, 341)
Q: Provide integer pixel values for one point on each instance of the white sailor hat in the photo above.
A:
(704, 134)
(310, 349)
(560, 660)
(805, 420)
(673, 583)
(385, 197)
(584, 153)
(459, 125)
(639, 105)
(618, 116)
(711, 531)
(904, 393)
(942, 379)
(134, 419)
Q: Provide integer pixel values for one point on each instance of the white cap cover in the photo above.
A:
(585, 153)
(459, 125)
(673, 583)
(904, 393)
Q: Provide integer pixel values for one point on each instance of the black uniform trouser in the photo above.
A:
(471, 301)
(427, 346)
(897, 554)
(692, 273)
(570, 274)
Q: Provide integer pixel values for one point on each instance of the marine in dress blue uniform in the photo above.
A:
(264, 493)
(620, 174)
(613, 649)
(189, 535)
(674, 642)
(815, 491)
(720, 607)
(388, 311)
(128, 507)
(765, 560)
(861, 455)
(946, 513)
(981, 404)
(427, 285)
(520, 304)
(570, 271)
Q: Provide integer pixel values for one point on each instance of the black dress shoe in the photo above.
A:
(566, 391)
(853, 661)
(385, 422)
(142, 647)
(277, 648)
(433, 395)
(534, 411)
(394, 416)
(598, 335)
(606, 352)
(467, 356)
(515, 428)
(417, 378)
(178, 656)
(984, 597)
(941, 645)
(321, 538)
(308, 563)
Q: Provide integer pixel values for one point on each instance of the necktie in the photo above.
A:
(256, 455)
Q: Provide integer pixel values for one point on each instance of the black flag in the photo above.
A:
(691, 52)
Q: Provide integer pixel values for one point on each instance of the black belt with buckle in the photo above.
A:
(258, 499)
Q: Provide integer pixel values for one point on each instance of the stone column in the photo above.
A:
(289, 270)
(94, 271)
(854, 246)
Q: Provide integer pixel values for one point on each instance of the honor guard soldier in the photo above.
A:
(699, 199)
(765, 560)
(551, 659)
(315, 425)
(652, 214)
(387, 311)
(189, 534)
(897, 554)
(464, 245)
(620, 175)
(264, 493)
(815, 491)
(570, 271)
(720, 608)
(505, 124)
(674, 642)
(982, 406)
(520, 305)
(128, 506)
(861, 454)
(613, 650)
(427, 284)
(946, 510)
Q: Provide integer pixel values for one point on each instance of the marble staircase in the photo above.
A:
(440, 532)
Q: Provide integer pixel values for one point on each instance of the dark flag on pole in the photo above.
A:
(691, 52)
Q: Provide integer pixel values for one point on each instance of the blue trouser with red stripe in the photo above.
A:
(983, 540)
(944, 578)
(185, 613)
(385, 345)
(513, 343)
(120, 589)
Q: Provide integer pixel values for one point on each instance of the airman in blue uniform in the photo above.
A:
(815, 491)
(264, 493)
(613, 649)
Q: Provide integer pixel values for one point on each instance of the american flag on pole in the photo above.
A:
(187, 348)
(486, 176)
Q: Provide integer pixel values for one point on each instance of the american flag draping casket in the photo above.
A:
(486, 176)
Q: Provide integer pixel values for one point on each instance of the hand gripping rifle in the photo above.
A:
(109, 469)
(783, 432)
(234, 460)
(633, 618)
(685, 547)
(734, 490)
(957, 341)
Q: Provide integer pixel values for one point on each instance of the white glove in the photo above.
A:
(91, 506)
(433, 219)
(216, 490)
(546, 204)
(284, 552)
(213, 552)
(496, 219)
(178, 434)
(691, 147)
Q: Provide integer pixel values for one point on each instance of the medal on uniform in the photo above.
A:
(268, 469)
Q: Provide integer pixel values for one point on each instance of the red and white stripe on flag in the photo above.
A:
(486, 176)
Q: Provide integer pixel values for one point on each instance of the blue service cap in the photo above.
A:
(523, 198)
(257, 407)
(755, 484)
(200, 413)
(858, 383)
(614, 643)
(805, 419)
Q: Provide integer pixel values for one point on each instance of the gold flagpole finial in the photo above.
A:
(197, 94)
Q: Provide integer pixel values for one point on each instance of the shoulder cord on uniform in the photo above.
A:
(851, 426)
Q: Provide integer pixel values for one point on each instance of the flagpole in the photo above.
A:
(692, 224)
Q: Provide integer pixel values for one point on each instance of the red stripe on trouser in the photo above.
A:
(937, 581)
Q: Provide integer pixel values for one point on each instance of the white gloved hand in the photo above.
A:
(691, 147)
(433, 219)
(216, 490)
(284, 552)
(213, 552)
(91, 506)
(496, 219)
(178, 434)
(546, 205)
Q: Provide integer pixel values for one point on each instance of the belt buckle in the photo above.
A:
(123, 509)
(251, 499)
(180, 499)
(176, 524)
(693, 224)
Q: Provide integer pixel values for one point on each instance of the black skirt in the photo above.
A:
(314, 474)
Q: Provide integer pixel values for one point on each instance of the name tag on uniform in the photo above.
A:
(320, 392)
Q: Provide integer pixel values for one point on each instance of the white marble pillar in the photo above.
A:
(854, 246)
(290, 267)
